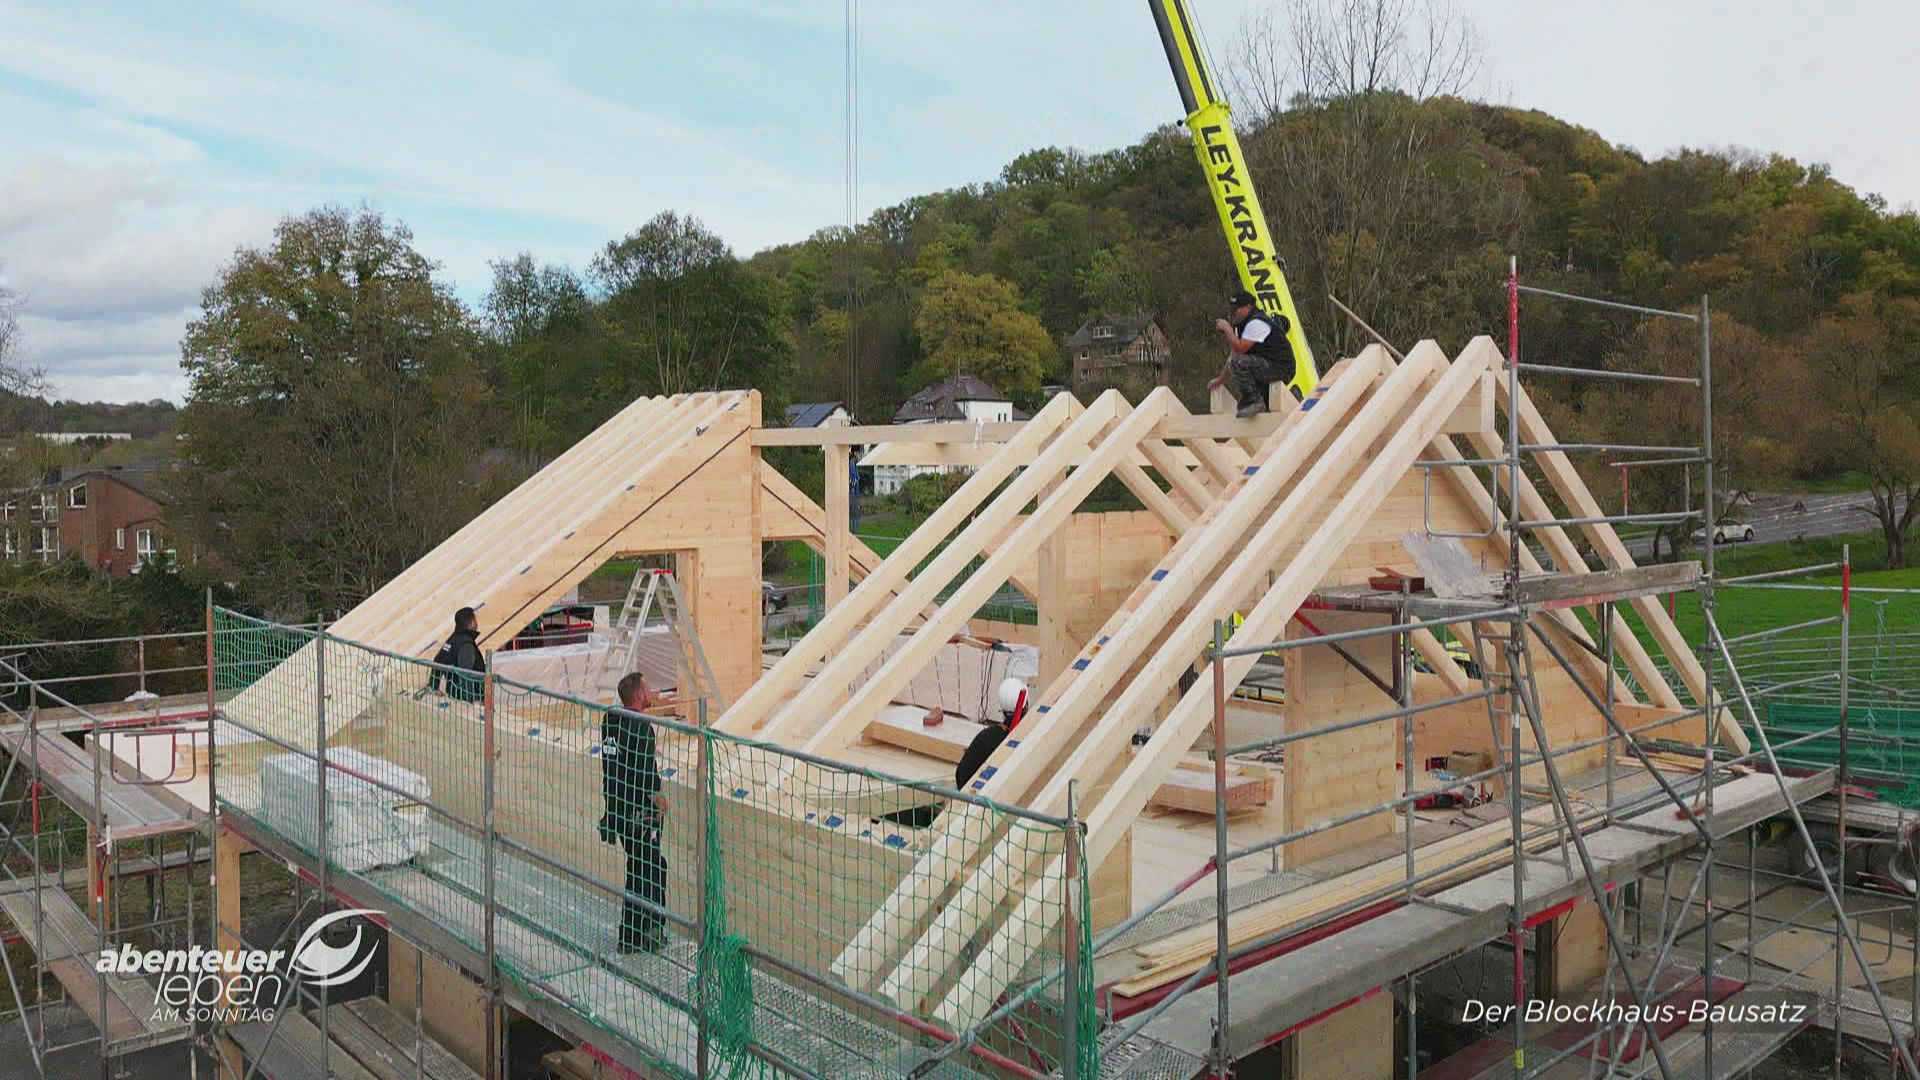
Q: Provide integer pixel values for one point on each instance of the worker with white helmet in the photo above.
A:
(1013, 706)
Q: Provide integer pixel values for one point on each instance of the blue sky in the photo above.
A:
(140, 144)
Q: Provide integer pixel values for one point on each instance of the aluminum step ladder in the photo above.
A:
(656, 591)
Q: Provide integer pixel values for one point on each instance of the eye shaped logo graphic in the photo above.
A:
(322, 964)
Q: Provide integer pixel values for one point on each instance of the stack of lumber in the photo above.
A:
(1179, 955)
(1190, 787)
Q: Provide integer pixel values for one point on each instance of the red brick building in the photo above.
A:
(110, 516)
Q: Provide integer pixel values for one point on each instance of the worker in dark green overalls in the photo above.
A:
(630, 782)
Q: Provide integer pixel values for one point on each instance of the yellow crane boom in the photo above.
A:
(1228, 177)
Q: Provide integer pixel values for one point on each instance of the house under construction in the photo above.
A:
(1368, 686)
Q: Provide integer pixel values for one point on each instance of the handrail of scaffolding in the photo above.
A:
(1607, 373)
(1601, 447)
(1612, 519)
(1617, 305)
(1776, 631)
(1490, 615)
(1775, 575)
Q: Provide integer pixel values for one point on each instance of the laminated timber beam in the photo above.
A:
(547, 534)
(1071, 698)
(850, 654)
(787, 513)
(1411, 431)
(1567, 557)
(1181, 425)
(1067, 494)
(1573, 491)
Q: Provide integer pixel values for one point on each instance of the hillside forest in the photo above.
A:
(347, 411)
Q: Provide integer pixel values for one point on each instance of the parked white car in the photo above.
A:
(1727, 532)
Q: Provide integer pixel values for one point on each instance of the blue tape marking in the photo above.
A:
(1043, 708)
(811, 815)
(834, 821)
(1309, 403)
(592, 750)
(1081, 664)
(987, 773)
(569, 535)
(1249, 470)
(630, 487)
(1158, 575)
(533, 732)
(1011, 743)
(668, 772)
(1103, 639)
(739, 793)
(978, 784)
(896, 840)
(524, 569)
(866, 832)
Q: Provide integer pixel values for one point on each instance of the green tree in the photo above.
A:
(1864, 420)
(548, 348)
(973, 323)
(335, 414)
(683, 315)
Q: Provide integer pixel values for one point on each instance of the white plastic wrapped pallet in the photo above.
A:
(368, 825)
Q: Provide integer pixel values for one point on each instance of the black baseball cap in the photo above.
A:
(1240, 298)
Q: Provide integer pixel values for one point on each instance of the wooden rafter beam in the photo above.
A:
(885, 583)
(1066, 495)
(851, 654)
(1071, 698)
(1358, 499)
(1574, 493)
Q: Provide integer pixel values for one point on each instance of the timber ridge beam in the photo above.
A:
(1180, 425)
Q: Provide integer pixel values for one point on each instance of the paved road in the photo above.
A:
(1777, 517)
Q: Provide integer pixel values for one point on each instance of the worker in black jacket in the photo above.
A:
(630, 783)
(1260, 353)
(462, 652)
(1013, 706)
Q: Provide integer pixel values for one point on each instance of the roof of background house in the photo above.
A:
(1125, 329)
(811, 413)
(941, 400)
(138, 475)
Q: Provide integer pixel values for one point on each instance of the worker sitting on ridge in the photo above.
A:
(1261, 353)
(461, 652)
(1013, 705)
(630, 784)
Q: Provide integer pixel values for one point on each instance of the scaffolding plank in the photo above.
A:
(292, 1050)
(129, 810)
(70, 943)
(1273, 997)
(383, 1042)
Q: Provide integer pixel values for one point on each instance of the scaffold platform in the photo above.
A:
(130, 810)
(66, 942)
(1354, 961)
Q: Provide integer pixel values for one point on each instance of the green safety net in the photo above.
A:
(767, 866)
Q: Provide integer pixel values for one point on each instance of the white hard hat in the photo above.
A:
(1010, 691)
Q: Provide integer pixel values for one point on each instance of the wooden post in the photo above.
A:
(839, 461)
(1056, 644)
(227, 846)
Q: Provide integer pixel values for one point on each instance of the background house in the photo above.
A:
(961, 397)
(806, 414)
(112, 517)
(1124, 350)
